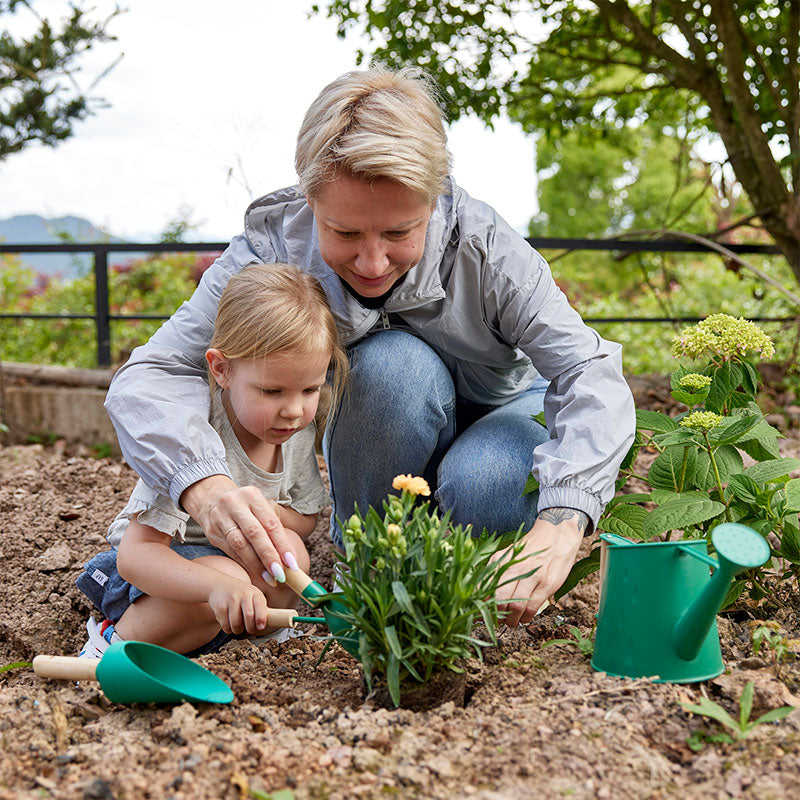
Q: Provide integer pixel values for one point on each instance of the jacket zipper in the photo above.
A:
(385, 320)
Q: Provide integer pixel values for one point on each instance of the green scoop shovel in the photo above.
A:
(138, 672)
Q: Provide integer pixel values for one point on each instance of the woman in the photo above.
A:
(456, 332)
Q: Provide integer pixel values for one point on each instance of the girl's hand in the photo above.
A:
(239, 606)
(242, 523)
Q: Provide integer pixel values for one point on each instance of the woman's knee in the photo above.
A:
(396, 365)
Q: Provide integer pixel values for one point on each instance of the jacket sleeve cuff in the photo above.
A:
(571, 497)
(192, 473)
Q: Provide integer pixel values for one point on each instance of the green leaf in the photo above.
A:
(680, 436)
(15, 665)
(772, 469)
(724, 382)
(623, 499)
(732, 429)
(761, 442)
(728, 460)
(627, 521)
(689, 398)
(743, 488)
(745, 704)
(393, 678)
(667, 469)
(531, 485)
(654, 421)
(775, 714)
(790, 543)
(708, 708)
(793, 495)
(680, 513)
(580, 570)
(539, 418)
(750, 379)
(737, 587)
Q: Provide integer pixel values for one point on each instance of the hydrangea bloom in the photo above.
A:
(725, 336)
(701, 420)
(694, 381)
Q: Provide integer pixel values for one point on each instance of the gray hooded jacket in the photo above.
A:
(480, 296)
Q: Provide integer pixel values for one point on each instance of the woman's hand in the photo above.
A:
(242, 523)
(239, 606)
(551, 546)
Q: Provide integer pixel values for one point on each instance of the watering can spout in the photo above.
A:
(738, 548)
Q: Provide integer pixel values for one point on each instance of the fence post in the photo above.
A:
(101, 310)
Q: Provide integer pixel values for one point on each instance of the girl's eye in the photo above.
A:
(312, 390)
(397, 234)
(271, 392)
(345, 234)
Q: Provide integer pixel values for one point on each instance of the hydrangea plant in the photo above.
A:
(698, 478)
(413, 586)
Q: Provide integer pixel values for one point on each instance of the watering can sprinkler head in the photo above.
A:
(738, 548)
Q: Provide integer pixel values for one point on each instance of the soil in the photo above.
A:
(537, 722)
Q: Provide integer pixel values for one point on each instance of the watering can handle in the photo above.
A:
(66, 667)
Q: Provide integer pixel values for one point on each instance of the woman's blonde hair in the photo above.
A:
(376, 124)
(274, 310)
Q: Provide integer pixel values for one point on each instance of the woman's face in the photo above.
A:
(370, 233)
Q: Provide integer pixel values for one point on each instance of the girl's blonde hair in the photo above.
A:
(373, 124)
(273, 310)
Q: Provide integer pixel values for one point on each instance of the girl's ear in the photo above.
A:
(219, 366)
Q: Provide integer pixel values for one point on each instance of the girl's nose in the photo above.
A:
(292, 408)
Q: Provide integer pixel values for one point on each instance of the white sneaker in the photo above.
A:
(100, 637)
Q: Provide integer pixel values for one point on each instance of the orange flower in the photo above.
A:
(412, 485)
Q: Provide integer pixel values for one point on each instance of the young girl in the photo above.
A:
(162, 582)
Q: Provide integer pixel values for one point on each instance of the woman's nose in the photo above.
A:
(372, 259)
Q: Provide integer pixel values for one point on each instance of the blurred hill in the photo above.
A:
(35, 229)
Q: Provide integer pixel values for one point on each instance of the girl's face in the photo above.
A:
(269, 399)
(370, 233)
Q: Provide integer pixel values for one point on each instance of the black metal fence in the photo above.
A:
(102, 316)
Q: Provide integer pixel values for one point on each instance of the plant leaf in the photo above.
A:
(665, 472)
(724, 382)
(708, 708)
(393, 678)
(790, 543)
(732, 429)
(627, 521)
(586, 566)
(793, 495)
(680, 513)
(654, 421)
(743, 488)
(729, 461)
(772, 469)
(775, 714)
(745, 705)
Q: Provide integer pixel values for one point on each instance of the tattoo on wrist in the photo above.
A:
(555, 516)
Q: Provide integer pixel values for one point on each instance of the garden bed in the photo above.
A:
(538, 721)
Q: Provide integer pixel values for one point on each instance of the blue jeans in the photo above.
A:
(401, 414)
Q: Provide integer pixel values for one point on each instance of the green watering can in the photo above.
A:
(138, 672)
(314, 594)
(658, 605)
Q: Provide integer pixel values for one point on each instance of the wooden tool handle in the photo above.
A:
(281, 617)
(66, 667)
(297, 580)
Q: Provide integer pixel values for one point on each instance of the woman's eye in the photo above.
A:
(398, 234)
(345, 234)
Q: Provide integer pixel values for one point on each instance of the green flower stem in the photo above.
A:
(721, 491)
(683, 468)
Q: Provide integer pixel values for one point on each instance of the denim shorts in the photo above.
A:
(112, 594)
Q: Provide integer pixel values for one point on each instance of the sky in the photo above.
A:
(204, 109)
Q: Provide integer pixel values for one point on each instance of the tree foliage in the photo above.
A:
(40, 96)
(726, 67)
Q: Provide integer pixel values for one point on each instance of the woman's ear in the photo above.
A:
(219, 366)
